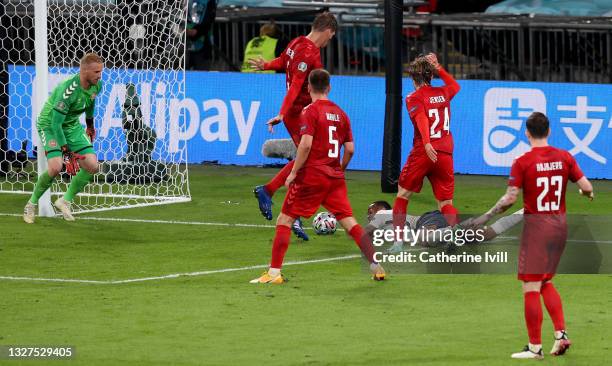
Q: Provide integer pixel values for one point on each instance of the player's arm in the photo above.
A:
(303, 151)
(57, 120)
(450, 84)
(89, 121)
(503, 204)
(585, 188)
(347, 155)
(502, 225)
(416, 110)
(260, 64)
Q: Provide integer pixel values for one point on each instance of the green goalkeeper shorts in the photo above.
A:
(76, 138)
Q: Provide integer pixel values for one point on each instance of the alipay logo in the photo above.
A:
(505, 112)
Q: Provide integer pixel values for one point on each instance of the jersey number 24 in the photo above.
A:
(446, 127)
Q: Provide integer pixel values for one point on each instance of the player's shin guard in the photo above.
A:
(77, 184)
(279, 179)
(363, 241)
(553, 304)
(42, 184)
(451, 214)
(533, 316)
(280, 245)
(399, 214)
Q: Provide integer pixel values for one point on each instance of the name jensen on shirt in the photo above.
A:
(437, 99)
(546, 167)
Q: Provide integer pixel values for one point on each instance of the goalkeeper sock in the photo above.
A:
(553, 304)
(399, 214)
(280, 245)
(42, 184)
(77, 184)
(279, 179)
(363, 241)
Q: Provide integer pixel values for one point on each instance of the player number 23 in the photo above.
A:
(556, 182)
(333, 151)
(434, 113)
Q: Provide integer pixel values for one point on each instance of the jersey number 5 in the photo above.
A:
(333, 151)
(432, 130)
(547, 182)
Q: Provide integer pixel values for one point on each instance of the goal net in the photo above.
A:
(139, 114)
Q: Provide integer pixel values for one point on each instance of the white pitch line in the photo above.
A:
(176, 275)
(171, 222)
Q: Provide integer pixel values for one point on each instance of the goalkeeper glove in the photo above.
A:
(90, 130)
(71, 160)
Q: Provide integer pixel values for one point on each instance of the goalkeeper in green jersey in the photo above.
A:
(64, 139)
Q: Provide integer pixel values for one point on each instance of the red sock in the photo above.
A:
(399, 213)
(552, 300)
(279, 179)
(363, 241)
(533, 316)
(281, 243)
(450, 214)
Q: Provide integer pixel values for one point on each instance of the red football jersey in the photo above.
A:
(299, 58)
(543, 173)
(330, 128)
(434, 104)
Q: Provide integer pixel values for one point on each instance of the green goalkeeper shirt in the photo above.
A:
(65, 105)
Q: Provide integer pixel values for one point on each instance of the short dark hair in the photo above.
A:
(319, 80)
(421, 71)
(325, 21)
(383, 205)
(537, 125)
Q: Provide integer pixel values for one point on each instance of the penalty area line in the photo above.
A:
(175, 275)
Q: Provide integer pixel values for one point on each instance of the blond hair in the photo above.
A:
(91, 58)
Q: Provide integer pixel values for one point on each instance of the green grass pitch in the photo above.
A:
(329, 313)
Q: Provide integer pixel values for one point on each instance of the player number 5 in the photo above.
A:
(333, 152)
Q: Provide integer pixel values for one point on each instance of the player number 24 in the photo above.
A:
(434, 113)
(556, 182)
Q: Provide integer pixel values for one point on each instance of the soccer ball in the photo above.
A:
(324, 223)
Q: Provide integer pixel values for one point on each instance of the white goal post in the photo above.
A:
(138, 115)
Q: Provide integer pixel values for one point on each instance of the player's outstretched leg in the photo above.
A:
(45, 180)
(298, 230)
(279, 248)
(264, 193)
(364, 242)
(554, 306)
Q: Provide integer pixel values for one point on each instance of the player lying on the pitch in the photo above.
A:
(64, 139)
(317, 177)
(380, 216)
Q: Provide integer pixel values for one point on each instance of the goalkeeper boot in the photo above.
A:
(265, 201)
(298, 230)
(378, 272)
(530, 351)
(266, 277)
(64, 207)
(29, 212)
(562, 343)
